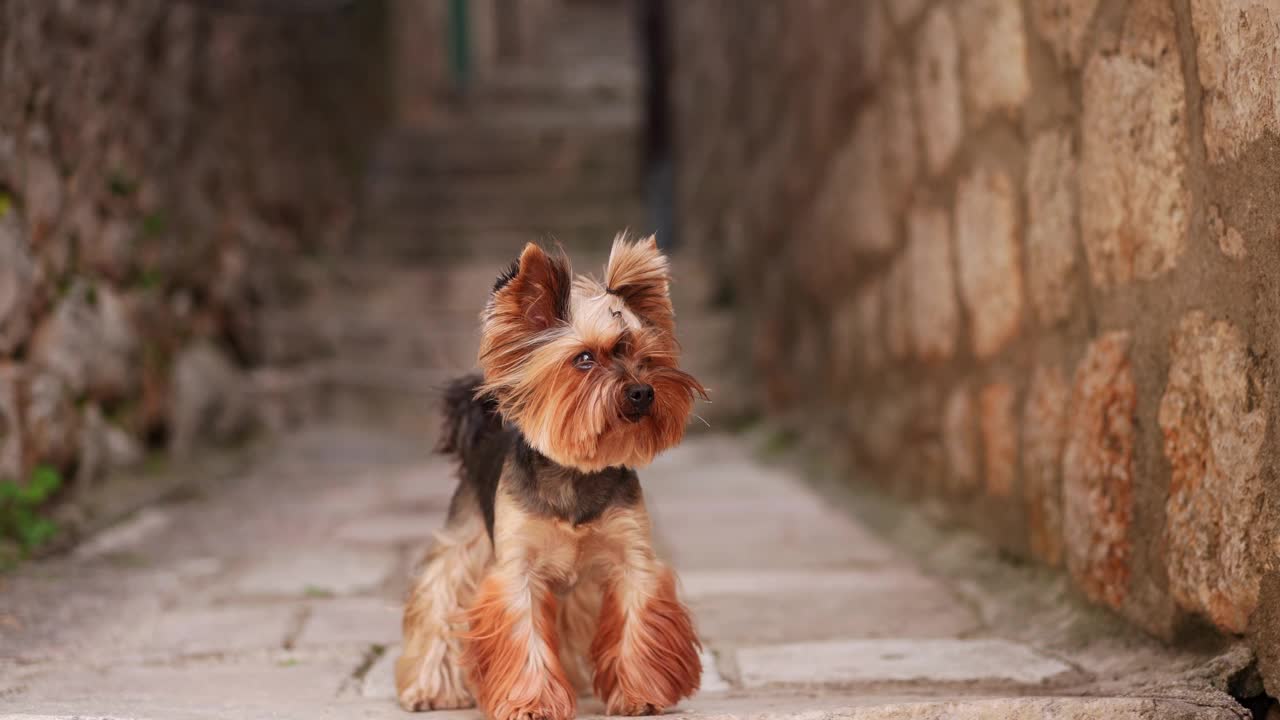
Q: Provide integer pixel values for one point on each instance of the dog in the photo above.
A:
(544, 584)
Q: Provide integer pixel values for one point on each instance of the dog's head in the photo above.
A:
(588, 370)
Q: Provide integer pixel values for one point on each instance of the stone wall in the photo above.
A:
(162, 165)
(1016, 260)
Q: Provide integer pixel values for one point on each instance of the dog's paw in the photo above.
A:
(415, 698)
(621, 706)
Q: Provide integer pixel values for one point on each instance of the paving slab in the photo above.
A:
(205, 630)
(743, 608)
(315, 570)
(399, 528)
(362, 621)
(919, 660)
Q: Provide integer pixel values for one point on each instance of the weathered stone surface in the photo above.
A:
(853, 211)
(17, 280)
(989, 259)
(89, 342)
(52, 423)
(755, 607)
(995, 56)
(1051, 225)
(897, 309)
(960, 438)
(902, 12)
(868, 661)
(359, 621)
(1229, 239)
(869, 301)
(11, 429)
(937, 84)
(1063, 23)
(316, 570)
(103, 447)
(42, 197)
(208, 398)
(1238, 47)
(1214, 424)
(1043, 432)
(999, 437)
(901, 142)
(1134, 199)
(1097, 471)
(935, 317)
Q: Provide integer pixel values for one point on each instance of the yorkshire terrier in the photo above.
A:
(544, 584)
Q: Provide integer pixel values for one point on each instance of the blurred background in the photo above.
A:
(1011, 262)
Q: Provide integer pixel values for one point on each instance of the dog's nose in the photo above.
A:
(640, 397)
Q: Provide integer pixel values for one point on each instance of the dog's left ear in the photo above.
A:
(639, 274)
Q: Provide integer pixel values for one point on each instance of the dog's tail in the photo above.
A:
(468, 419)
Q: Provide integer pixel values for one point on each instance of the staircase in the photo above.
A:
(545, 152)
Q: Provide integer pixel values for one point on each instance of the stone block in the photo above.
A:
(1229, 239)
(52, 422)
(1237, 49)
(942, 660)
(358, 621)
(1134, 199)
(999, 438)
(209, 399)
(1051, 225)
(1097, 471)
(759, 607)
(1062, 23)
(935, 317)
(1214, 423)
(853, 210)
(902, 12)
(897, 310)
(316, 569)
(1043, 432)
(960, 438)
(12, 437)
(901, 141)
(17, 280)
(869, 301)
(89, 342)
(989, 259)
(937, 88)
(997, 78)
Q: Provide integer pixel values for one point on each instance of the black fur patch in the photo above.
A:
(506, 276)
(475, 434)
(538, 483)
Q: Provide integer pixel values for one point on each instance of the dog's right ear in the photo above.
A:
(530, 296)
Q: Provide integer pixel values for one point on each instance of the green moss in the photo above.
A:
(22, 526)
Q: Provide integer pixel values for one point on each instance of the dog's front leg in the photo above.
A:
(511, 649)
(645, 653)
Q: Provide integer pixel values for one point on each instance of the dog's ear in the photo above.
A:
(639, 273)
(532, 295)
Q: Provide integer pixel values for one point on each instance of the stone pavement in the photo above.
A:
(275, 593)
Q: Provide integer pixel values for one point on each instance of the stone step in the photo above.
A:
(458, 219)
(501, 150)
(522, 193)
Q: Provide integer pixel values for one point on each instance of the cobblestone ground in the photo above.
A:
(275, 593)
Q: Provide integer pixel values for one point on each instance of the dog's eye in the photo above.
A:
(584, 361)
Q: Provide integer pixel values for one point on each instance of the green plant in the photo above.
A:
(20, 518)
(6, 203)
